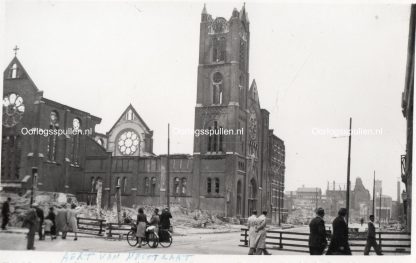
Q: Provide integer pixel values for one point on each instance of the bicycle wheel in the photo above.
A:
(152, 240)
(165, 238)
(131, 238)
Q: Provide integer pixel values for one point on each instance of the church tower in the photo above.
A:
(223, 75)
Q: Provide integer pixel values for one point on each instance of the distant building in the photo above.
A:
(383, 208)
(302, 204)
(360, 202)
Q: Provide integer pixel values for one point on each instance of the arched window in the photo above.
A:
(153, 186)
(124, 185)
(252, 195)
(215, 139)
(217, 88)
(217, 185)
(92, 183)
(209, 185)
(14, 71)
(98, 183)
(129, 115)
(241, 92)
(146, 185)
(239, 198)
(176, 185)
(53, 138)
(218, 49)
(76, 128)
(183, 185)
(118, 182)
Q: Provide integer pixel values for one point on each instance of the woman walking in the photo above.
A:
(72, 220)
(141, 226)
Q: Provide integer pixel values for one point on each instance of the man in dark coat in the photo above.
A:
(339, 240)
(165, 218)
(41, 217)
(31, 221)
(371, 238)
(5, 213)
(317, 236)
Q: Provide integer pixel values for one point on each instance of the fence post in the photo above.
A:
(109, 229)
(101, 228)
(280, 241)
(379, 241)
(77, 222)
(245, 237)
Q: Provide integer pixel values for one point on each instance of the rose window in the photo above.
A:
(128, 143)
(13, 109)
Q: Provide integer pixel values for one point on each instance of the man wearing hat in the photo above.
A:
(317, 236)
(339, 240)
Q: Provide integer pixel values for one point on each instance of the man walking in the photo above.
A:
(31, 222)
(339, 240)
(5, 213)
(371, 238)
(317, 236)
(252, 235)
(261, 235)
(41, 218)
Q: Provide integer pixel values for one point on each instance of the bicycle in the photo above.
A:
(151, 239)
(165, 237)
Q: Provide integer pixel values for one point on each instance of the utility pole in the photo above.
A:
(374, 192)
(348, 172)
(168, 171)
(379, 219)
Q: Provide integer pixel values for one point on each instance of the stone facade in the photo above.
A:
(236, 168)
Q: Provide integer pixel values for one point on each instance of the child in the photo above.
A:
(48, 228)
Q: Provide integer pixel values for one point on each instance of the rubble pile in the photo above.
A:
(182, 217)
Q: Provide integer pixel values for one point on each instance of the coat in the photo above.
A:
(5, 210)
(141, 225)
(155, 221)
(261, 232)
(317, 236)
(31, 221)
(252, 235)
(371, 234)
(61, 220)
(72, 220)
(339, 240)
(165, 219)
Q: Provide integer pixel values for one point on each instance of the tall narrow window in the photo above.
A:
(183, 185)
(215, 139)
(129, 115)
(218, 49)
(52, 139)
(92, 184)
(13, 71)
(124, 185)
(146, 185)
(239, 198)
(217, 88)
(217, 185)
(209, 185)
(176, 185)
(153, 186)
(76, 128)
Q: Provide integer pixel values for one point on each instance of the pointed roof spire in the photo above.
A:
(243, 13)
(204, 10)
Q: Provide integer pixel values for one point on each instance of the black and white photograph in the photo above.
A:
(186, 128)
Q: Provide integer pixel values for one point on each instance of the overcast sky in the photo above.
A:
(315, 66)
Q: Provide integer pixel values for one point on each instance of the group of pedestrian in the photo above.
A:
(61, 220)
(339, 239)
(257, 233)
(156, 220)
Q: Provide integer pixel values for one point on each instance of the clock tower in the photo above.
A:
(222, 83)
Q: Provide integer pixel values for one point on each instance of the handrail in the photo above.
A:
(285, 240)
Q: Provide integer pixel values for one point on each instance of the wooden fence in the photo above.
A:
(91, 226)
(390, 242)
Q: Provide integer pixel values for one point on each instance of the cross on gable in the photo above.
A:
(15, 49)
